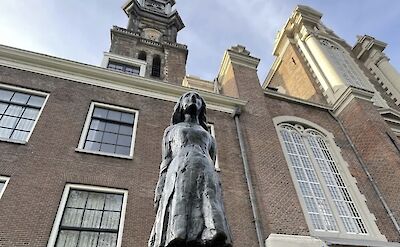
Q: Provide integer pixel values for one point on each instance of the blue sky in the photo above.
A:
(79, 30)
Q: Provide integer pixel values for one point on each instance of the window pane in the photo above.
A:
(107, 240)
(318, 209)
(110, 220)
(91, 219)
(108, 148)
(72, 217)
(93, 146)
(24, 124)
(125, 130)
(5, 95)
(112, 133)
(30, 113)
(5, 133)
(114, 115)
(123, 150)
(113, 202)
(109, 138)
(20, 135)
(124, 140)
(127, 118)
(14, 110)
(67, 239)
(88, 239)
(20, 98)
(77, 199)
(110, 127)
(36, 101)
(95, 135)
(337, 188)
(3, 108)
(8, 122)
(100, 112)
(1, 185)
(97, 124)
(95, 201)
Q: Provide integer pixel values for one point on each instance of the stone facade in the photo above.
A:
(357, 129)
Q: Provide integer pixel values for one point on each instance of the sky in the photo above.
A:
(79, 30)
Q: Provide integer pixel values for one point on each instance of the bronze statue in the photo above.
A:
(188, 198)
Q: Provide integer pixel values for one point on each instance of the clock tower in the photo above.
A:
(149, 43)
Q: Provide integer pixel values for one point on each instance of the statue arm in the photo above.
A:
(166, 160)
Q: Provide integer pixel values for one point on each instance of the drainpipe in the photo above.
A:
(249, 182)
(371, 179)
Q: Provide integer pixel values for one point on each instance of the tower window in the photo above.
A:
(156, 68)
(142, 56)
(132, 70)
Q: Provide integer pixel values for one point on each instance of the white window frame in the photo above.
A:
(124, 60)
(27, 91)
(90, 188)
(5, 180)
(85, 130)
(359, 199)
(212, 130)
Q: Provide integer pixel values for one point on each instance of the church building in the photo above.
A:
(308, 157)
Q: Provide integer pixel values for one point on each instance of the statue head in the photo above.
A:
(179, 110)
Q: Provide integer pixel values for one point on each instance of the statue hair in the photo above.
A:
(178, 116)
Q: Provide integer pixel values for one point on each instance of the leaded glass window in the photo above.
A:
(110, 131)
(344, 65)
(132, 70)
(90, 219)
(327, 200)
(18, 114)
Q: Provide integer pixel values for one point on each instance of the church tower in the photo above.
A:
(148, 46)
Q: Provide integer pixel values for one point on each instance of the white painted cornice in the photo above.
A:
(292, 99)
(348, 95)
(94, 75)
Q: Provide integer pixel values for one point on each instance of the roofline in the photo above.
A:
(102, 77)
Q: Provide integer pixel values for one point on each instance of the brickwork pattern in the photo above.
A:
(294, 76)
(40, 169)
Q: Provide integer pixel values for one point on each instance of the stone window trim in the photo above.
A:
(212, 132)
(31, 92)
(90, 188)
(4, 181)
(352, 73)
(110, 57)
(359, 199)
(86, 127)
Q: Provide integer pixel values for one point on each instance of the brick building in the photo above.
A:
(308, 158)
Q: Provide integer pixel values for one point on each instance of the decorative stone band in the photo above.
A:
(98, 76)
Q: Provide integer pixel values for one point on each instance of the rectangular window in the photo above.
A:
(19, 111)
(109, 130)
(3, 184)
(211, 130)
(89, 216)
(128, 69)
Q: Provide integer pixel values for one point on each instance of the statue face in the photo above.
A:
(191, 103)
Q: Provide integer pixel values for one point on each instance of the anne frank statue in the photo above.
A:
(188, 196)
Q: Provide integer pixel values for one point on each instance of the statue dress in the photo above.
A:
(188, 199)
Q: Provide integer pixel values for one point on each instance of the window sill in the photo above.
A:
(79, 150)
(13, 141)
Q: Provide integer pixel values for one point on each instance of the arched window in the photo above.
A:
(344, 64)
(156, 67)
(329, 198)
(142, 55)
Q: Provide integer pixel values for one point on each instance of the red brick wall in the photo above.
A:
(40, 169)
